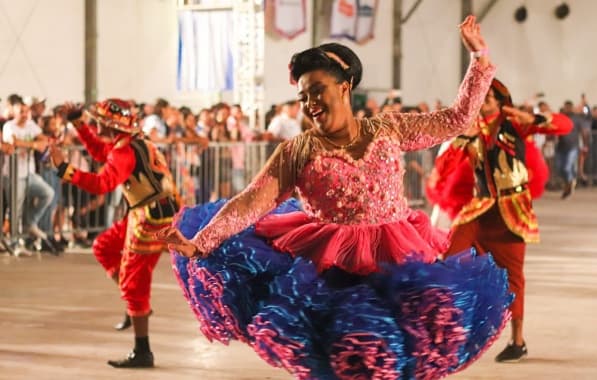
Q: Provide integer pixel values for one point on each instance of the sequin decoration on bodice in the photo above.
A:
(335, 188)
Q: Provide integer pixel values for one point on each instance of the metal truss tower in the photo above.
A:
(248, 51)
(249, 25)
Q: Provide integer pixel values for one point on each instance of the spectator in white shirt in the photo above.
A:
(285, 126)
(27, 136)
(154, 125)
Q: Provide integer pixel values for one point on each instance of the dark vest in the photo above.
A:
(501, 169)
(151, 180)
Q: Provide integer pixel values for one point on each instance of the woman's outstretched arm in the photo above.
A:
(269, 188)
(419, 131)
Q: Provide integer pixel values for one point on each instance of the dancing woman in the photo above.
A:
(350, 287)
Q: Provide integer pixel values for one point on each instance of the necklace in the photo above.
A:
(348, 145)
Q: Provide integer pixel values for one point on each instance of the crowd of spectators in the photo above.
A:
(208, 152)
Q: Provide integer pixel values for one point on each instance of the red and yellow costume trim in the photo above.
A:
(489, 234)
(66, 172)
(504, 179)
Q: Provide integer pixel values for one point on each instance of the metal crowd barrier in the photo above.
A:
(224, 169)
(590, 163)
(4, 204)
(201, 175)
(220, 171)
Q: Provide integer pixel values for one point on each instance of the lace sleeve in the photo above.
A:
(419, 131)
(268, 189)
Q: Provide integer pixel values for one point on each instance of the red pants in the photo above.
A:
(488, 233)
(112, 248)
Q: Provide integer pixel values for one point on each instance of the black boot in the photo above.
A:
(512, 353)
(125, 324)
(134, 360)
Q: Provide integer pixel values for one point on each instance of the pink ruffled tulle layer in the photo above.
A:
(357, 249)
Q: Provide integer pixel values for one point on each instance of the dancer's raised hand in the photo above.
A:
(470, 33)
(71, 111)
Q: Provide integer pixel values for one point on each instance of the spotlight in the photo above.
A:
(562, 11)
(520, 15)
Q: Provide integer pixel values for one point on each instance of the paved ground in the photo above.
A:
(56, 315)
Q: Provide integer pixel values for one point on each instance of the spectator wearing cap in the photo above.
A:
(37, 107)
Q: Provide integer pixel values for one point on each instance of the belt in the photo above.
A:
(514, 190)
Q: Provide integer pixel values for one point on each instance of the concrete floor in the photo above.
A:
(56, 315)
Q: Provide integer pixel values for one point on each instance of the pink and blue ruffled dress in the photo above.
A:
(345, 283)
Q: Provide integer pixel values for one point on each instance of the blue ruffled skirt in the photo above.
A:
(409, 321)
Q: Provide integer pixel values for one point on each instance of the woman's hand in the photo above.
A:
(470, 33)
(177, 242)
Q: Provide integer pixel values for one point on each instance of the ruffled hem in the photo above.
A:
(357, 249)
(408, 321)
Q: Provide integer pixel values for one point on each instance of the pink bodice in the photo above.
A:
(355, 215)
(335, 188)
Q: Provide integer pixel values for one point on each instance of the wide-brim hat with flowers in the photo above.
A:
(116, 114)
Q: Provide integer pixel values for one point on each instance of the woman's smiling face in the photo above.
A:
(324, 100)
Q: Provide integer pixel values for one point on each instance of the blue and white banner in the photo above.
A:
(344, 17)
(289, 17)
(205, 51)
(353, 19)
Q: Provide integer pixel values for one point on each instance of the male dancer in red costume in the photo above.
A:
(127, 250)
(499, 218)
